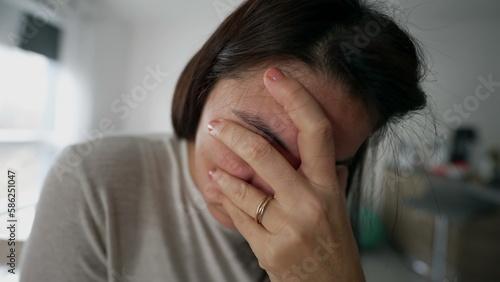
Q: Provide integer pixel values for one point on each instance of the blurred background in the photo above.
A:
(76, 70)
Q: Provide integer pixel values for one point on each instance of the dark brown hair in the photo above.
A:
(349, 40)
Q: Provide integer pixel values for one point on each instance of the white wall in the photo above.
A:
(110, 39)
(167, 47)
(160, 35)
(460, 53)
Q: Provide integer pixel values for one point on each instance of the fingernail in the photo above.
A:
(274, 74)
(212, 127)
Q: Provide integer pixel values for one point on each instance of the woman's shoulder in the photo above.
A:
(116, 158)
(121, 145)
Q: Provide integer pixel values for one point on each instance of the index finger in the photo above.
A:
(315, 137)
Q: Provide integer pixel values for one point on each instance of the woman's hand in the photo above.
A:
(305, 233)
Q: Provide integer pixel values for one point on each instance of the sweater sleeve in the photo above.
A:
(67, 238)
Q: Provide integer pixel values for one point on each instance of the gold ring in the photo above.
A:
(260, 210)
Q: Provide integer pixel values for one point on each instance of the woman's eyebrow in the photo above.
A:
(261, 125)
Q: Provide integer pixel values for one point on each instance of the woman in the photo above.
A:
(273, 117)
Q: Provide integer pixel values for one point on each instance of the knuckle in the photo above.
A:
(257, 150)
(223, 179)
(315, 212)
(293, 234)
(295, 91)
(297, 103)
(322, 128)
(239, 192)
(237, 167)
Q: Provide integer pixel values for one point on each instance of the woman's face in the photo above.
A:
(247, 102)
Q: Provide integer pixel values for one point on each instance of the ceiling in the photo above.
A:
(168, 11)
(433, 10)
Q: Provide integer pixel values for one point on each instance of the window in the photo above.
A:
(26, 119)
(30, 77)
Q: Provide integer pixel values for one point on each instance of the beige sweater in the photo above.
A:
(128, 210)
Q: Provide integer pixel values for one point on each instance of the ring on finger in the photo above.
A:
(261, 208)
